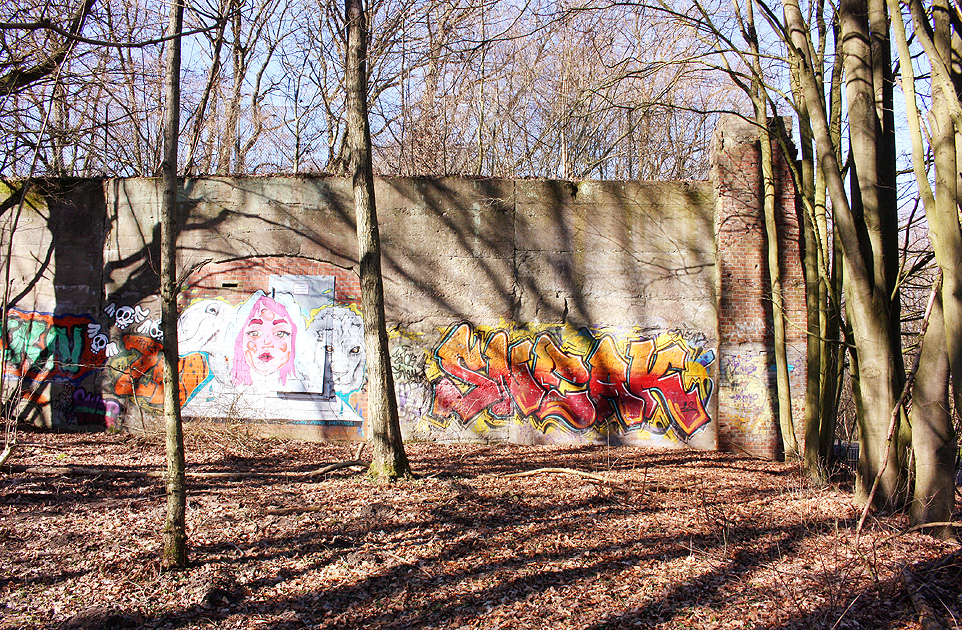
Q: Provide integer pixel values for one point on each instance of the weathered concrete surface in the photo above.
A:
(593, 291)
(526, 311)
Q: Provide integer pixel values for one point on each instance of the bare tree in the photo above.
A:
(389, 460)
(934, 440)
(175, 530)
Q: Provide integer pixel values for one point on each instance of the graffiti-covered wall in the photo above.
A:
(524, 311)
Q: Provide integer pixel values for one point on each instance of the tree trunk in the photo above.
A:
(943, 218)
(867, 300)
(782, 385)
(760, 100)
(933, 436)
(389, 460)
(175, 532)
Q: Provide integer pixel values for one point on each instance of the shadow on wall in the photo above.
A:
(528, 311)
(52, 343)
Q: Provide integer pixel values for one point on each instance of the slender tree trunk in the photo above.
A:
(944, 218)
(880, 367)
(782, 385)
(389, 460)
(213, 75)
(868, 302)
(175, 532)
(815, 466)
(830, 266)
(227, 154)
(760, 99)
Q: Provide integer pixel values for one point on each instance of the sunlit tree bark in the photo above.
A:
(175, 530)
(389, 460)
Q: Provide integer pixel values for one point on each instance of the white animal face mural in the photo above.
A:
(202, 325)
(338, 334)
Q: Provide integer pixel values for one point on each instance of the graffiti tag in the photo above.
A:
(42, 346)
(654, 384)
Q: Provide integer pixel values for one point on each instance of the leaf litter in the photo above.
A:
(659, 539)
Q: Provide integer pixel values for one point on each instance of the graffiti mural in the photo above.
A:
(411, 384)
(138, 372)
(46, 347)
(288, 354)
(46, 357)
(571, 381)
(280, 356)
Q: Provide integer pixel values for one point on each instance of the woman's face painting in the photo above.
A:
(267, 341)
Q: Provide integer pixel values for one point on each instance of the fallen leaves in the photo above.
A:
(670, 539)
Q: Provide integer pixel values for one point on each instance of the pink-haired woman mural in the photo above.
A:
(265, 344)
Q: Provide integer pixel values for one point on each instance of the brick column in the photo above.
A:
(747, 396)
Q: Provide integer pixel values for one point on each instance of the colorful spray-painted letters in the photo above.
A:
(572, 381)
(42, 346)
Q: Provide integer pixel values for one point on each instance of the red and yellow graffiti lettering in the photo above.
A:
(655, 385)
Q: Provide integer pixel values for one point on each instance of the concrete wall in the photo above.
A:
(526, 311)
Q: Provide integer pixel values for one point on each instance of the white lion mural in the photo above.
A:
(338, 334)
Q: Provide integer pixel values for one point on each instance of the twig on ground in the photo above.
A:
(300, 510)
(565, 471)
(926, 615)
(6, 453)
(474, 452)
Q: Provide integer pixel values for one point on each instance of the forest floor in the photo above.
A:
(668, 539)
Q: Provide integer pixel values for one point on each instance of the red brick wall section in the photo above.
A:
(746, 398)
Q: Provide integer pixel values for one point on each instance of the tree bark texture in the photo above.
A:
(868, 301)
(175, 532)
(933, 436)
(388, 460)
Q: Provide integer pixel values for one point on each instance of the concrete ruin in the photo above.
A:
(522, 311)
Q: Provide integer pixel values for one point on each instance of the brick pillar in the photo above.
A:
(747, 396)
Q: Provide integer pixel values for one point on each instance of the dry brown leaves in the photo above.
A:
(680, 539)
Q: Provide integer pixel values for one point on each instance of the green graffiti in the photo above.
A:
(26, 343)
(59, 343)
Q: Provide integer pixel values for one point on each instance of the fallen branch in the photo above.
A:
(922, 526)
(355, 463)
(472, 452)
(926, 615)
(70, 471)
(294, 510)
(303, 509)
(565, 471)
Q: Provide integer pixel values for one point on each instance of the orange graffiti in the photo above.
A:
(655, 385)
(139, 371)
